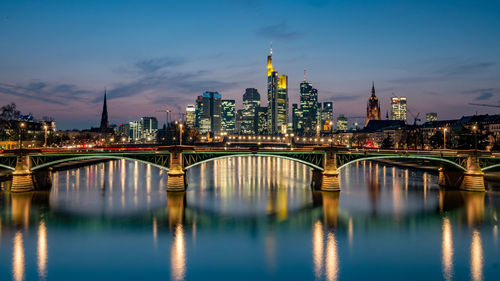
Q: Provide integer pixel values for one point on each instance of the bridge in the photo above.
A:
(458, 169)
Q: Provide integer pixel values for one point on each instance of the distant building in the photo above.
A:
(327, 116)
(104, 127)
(261, 124)
(398, 109)
(251, 101)
(190, 116)
(228, 119)
(277, 98)
(373, 107)
(342, 123)
(135, 131)
(431, 116)
(149, 128)
(296, 118)
(208, 111)
(308, 108)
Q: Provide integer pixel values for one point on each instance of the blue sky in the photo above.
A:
(57, 57)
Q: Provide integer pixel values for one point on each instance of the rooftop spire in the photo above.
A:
(271, 47)
(373, 89)
(304, 74)
(104, 117)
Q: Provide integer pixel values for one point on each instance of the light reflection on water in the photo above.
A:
(243, 218)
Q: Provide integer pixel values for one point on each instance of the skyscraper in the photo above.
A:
(282, 104)
(261, 121)
(373, 107)
(251, 100)
(208, 113)
(398, 108)
(342, 123)
(277, 98)
(308, 107)
(296, 118)
(190, 116)
(104, 117)
(149, 128)
(228, 113)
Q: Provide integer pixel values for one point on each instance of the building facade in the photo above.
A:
(373, 107)
(228, 117)
(308, 108)
(398, 109)
(191, 116)
(251, 101)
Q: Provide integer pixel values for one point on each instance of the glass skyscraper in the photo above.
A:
(228, 120)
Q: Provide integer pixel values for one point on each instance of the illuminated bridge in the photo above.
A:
(458, 169)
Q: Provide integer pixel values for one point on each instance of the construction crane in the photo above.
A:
(483, 104)
(415, 117)
(167, 112)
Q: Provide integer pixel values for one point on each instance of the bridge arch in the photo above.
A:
(88, 157)
(451, 163)
(490, 167)
(7, 167)
(316, 167)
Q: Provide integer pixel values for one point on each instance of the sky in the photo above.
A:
(58, 57)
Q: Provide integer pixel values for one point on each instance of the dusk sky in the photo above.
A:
(57, 57)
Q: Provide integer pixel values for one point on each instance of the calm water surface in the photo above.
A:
(248, 218)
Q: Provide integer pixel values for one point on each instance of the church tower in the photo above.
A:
(104, 118)
(373, 107)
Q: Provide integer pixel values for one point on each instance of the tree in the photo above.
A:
(388, 142)
(437, 140)
(9, 112)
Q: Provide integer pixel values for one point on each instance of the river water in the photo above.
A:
(248, 218)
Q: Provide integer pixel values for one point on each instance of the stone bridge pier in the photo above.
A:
(23, 179)
(176, 174)
(328, 179)
(472, 179)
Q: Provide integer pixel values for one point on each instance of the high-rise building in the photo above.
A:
(282, 103)
(277, 98)
(327, 116)
(135, 132)
(398, 109)
(149, 128)
(261, 118)
(208, 111)
(373, 107)
(296, 118)
(251, 100)
(309, 108)
(342, 123)
(104, 117)
(228, 120)
(190, 116)
(431, 116)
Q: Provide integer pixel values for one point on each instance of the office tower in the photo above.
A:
(277, 99)
(431, 116)
(261, 118)
(296, 118)
(373, 107)
(208, 113)
(149, 128)
(342, 123)
(327, 116)
(398, 108)
(135, 132)
(190, 116)
(282, 104)
(251, 100)
(228, 120)
(308, 107)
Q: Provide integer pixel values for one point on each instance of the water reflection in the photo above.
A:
(178, 254)
(42, 254)
(476, 256)
(331, 262)
(318, 249)
(18, 257)
(472, 204)
(175, 206)
(20, 208)
(447, 249)
(325, 255)
(330, 208)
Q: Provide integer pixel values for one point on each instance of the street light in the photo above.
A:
(21, 127)
(474, 128)
(180, 133)
(45, 127)
(444, 137)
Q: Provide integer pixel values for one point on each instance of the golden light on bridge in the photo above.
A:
(42, 250)
(447, 249)
(476, 257)
(178, 255)
(18, 257)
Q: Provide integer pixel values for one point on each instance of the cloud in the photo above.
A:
(278, 31)
(155, 64)
(484, 96)
(464, 68)
(345, 98)
(33, 91)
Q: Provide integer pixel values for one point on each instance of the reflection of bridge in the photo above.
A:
(464, 170)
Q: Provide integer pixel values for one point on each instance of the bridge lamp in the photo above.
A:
(123, 139)
(111, 139)
(444, 137)
(45, 127)
(21, 127)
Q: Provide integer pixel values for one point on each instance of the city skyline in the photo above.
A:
(63, 71)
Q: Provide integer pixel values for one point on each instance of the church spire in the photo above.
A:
(104, 117)
(373, 88)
